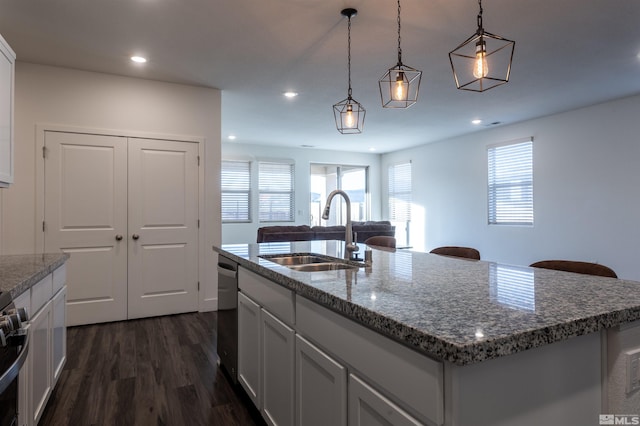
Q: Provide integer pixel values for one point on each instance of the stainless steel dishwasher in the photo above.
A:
(228, 316)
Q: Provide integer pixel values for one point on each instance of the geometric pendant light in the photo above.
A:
(399, 86)
(349, 113)
(483, 61)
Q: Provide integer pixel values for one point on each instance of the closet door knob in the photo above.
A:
(118, 237)
(135, 236)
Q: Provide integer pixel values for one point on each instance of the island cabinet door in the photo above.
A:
(40, 352)
(278, 369)
(321, 391)
(367, 407)
(250, 348)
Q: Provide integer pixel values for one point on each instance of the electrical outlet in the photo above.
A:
(633, 370)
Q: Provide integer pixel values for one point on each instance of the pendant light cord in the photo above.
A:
(480, 29)
(399, 39)
(349, 54)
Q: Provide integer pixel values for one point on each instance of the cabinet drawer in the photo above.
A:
(59, 278)
(274, 298)
(41, 293)
(411, 380)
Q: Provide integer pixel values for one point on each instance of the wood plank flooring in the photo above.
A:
(152, 371)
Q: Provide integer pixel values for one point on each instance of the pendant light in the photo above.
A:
(399, 86)
(483, 61)
(349, 113)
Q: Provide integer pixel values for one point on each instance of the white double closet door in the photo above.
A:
(126, 210)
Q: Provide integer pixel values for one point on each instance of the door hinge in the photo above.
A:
(44, 152)
(44, 226)
(198, 161)
(198, 223)
(198, 285)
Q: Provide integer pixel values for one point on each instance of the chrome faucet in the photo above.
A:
(349, 245)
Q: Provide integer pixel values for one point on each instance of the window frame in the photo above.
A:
(404, 196)
(247, 191)
(501, 189)
(262, 192)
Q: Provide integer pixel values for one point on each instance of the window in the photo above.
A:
(400, 200)
(235, 185)
(511, 183)
(351, 179)
(276, 192)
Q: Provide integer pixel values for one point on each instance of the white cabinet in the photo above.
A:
(367, 407)
(59, 332)
(47, 344)
(303, 364)
(249, 348)
(321, 387)
(414, 382)
(7, 68)
(266, 347)
(41, 366)
(278, 369)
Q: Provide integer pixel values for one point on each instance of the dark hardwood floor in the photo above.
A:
(152, 371)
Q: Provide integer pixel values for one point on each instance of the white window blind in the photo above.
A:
(276, 192)
(510, 183)
(236, 191)
(400, 192)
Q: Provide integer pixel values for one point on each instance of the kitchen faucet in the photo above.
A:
(349, 245)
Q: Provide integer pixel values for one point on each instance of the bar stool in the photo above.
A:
(465, 252)
(577, 267)
(381, 241)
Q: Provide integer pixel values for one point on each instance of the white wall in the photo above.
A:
(303, 157)
(586, 189)
(66, 97)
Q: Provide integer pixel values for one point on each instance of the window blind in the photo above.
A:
(400, 192)
(276, 196)
(510, 186)
(236, 191)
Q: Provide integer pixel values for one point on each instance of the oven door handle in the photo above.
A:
(12, 372)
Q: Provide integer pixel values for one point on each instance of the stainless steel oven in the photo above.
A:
(14, 344)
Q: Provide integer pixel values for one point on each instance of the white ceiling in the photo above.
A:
(568, 54)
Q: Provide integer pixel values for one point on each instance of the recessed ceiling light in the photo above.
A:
(139, 59)
(308, 146)
(232, 137)
(290, 94)
(476, 121)
(372, 149)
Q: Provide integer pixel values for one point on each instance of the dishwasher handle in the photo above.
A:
(227, 270)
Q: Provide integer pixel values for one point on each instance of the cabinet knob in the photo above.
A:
(118, 237)
(135, 236)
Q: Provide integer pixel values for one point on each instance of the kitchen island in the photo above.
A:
(500, 344)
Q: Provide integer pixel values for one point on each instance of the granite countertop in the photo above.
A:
(21, 271)
(452, 309)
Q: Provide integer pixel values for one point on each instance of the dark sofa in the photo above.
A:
(268, 234)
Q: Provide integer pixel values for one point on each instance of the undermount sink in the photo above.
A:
(309, 262)
(316, 267)
(297, 259)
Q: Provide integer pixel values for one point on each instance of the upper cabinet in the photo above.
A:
(7, 66)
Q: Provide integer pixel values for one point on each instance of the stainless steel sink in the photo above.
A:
(317, 267)
(297, 259)
(309, 262)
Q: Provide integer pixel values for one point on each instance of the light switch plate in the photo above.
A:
(633, 370)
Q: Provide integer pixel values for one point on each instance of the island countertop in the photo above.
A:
(21, 271)
(453, 309)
